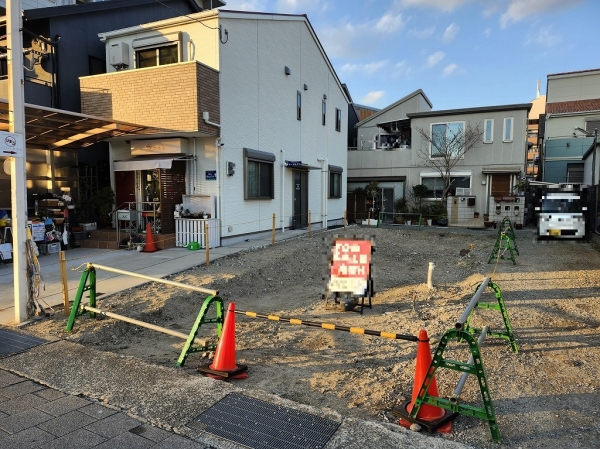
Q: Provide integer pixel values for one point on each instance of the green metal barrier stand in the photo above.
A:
(87, 282)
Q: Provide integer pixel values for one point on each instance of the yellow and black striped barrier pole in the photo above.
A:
(329, 326)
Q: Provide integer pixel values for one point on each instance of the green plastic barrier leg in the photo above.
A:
(88, 274)
(188, 347)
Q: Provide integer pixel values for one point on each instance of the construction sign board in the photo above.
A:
(350, 266)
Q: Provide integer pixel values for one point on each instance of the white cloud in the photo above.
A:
(421, 34)
(488, 32)
(543, 36)
(390, 23)
(401, 70)
(435, 58)
(520, 9)
(371, 97)
(450, 32)
(369, 68)
(449, 69)
(443, 5)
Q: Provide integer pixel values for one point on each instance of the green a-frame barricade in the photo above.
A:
(506, 241)
(474, 367)
(87, 283)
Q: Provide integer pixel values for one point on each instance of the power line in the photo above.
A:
(189, 17)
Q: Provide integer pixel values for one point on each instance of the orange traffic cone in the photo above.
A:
(223, 365)
(427, 413)
(150, 247)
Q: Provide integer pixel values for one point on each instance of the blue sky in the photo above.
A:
(462, 53)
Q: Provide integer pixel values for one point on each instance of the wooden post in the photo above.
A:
(309, 223)
(65, 284)
(206, 243)
(345, 218)
(273, 232)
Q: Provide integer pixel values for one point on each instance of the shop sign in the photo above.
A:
(210, 175)
(11, 144)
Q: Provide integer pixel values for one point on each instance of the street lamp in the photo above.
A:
(595, 136)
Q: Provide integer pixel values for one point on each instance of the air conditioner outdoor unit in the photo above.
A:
(463, 191)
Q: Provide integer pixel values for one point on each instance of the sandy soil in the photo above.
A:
(546, 395)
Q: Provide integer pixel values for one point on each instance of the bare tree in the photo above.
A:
(445, 145)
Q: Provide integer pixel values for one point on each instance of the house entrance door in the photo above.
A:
(125, 188)
(300, 199)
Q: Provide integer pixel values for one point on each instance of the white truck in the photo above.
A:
(561, 211)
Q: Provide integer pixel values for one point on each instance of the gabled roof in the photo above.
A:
(565, 107)
(393, 105)
(90, 7)
(506, 107)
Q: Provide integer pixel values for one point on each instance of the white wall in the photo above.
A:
(258, 111)
(579, 86)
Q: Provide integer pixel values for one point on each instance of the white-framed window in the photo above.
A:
(488, 130)
(298, 105)
(338, 119)
(152, 57)
(335, 181)
(447, 138)
(507, 132)
(435, 183)
(258, 174)
(324, 112)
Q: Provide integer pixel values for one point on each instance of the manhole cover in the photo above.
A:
(260, 425)
(12, 342)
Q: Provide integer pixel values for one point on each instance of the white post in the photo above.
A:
(430, 275)
(18, 179)
(324, 183)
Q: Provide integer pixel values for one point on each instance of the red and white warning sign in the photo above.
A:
(350, 266)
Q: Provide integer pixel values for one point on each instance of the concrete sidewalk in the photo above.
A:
(158, 264)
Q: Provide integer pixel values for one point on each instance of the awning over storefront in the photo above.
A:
(53, 129)
(148, 162)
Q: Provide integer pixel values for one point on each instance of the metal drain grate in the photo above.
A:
(12, 342)
(260, 425)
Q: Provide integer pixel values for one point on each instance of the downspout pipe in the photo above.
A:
(206, 118)
(324, 170)
(281, 212)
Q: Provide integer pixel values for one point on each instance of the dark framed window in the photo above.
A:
(324, 112)
(96, 66)
(338, 119)
(299, 105)
(335, 181)
(152, 57)
(258, 173)
(435, 185)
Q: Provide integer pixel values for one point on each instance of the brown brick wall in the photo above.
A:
(170, 97)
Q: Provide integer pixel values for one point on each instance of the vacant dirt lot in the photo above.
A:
(547, 395)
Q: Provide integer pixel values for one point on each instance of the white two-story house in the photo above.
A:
(247, 116)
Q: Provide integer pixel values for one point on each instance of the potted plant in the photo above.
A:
(400, 207)
(96, 207)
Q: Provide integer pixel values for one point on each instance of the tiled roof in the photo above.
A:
(573, 106)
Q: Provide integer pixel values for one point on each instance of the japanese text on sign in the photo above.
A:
(350, 265)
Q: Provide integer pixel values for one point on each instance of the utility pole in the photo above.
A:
(18, 179)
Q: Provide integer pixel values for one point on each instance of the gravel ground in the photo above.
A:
(546, 395)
